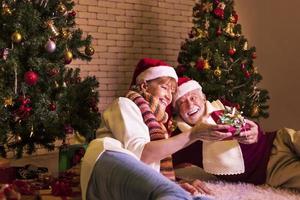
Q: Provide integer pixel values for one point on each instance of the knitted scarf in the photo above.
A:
(154, 117)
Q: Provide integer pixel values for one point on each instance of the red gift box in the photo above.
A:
(232, 129)
(7, 174)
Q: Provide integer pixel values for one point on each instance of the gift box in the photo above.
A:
(233, 118)
(70, 155)
(7, 174)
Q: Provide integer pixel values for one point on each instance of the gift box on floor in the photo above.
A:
(70, 155)
(7, 174)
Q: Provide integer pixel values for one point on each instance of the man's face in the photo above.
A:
(191, 106)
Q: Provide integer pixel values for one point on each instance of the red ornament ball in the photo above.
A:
(254, 55)
(200, 64)
(247, 74)
(231, 51)
(52, 107)
(31, 78)
(72, 13)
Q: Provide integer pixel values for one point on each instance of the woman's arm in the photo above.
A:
(157, 150)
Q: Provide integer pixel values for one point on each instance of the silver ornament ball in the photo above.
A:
(50, 46)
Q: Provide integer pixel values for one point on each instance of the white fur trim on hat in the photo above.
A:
(185, 88)
(156, 72)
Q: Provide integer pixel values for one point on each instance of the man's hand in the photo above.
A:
(196, 187)
(250, 136)
(210, 132)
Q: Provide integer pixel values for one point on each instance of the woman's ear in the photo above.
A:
(144, 86)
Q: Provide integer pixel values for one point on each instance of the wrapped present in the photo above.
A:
(70, 155)
(231, 116)
(7, 174)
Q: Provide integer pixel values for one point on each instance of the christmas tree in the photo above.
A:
(217, 55)
(41, 99)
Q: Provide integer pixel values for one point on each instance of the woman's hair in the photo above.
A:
(166, 80)
(160, 80)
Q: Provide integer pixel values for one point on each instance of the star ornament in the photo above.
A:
(207, 7)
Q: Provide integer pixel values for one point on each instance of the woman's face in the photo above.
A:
(163, 89)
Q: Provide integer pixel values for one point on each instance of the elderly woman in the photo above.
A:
(133, 130)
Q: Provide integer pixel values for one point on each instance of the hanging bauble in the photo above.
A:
(243, 66)
(61, 9)
(31, 78)
(6, 9)
(253, 56)
(51, 26)
(24, 109)
(68, 56)
(50, 46)
(217, 72)
(52, 107)
(219, 10)
(231, 51)
(72, 13)
(247, 74)
(89, 50)
(206, 64)
(16, 37)
(255, 110)
(200, 64)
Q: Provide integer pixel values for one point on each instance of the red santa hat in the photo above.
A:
(185, 85)
(149, 69)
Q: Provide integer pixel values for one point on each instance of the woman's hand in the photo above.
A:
(196, 187)
(250, 136)
(210, 132)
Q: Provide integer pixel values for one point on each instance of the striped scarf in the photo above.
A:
(154, 117)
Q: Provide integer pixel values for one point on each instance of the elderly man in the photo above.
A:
(251, 156)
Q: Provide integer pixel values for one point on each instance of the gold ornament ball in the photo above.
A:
(89, 51)
(217, 72)
(68, 57)
(16, 37)
(255, 111)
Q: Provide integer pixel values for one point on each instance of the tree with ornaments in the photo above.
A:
(218, 56)
(41, 98)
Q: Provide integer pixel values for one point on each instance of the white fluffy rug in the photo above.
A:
(235, 191)
(242, 191)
